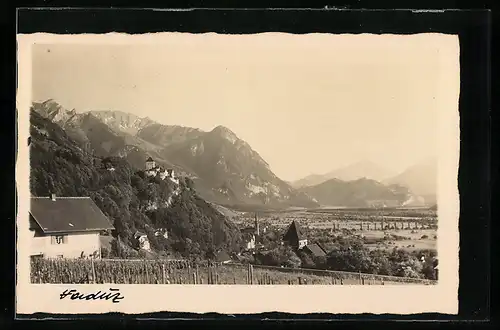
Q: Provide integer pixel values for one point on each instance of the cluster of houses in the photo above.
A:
(153, 170)
(294, 237)
(70, 227)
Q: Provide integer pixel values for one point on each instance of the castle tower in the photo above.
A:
(256, 225)
(150, 164)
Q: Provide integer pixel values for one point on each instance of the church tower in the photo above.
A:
(256, 226)
(150, 164)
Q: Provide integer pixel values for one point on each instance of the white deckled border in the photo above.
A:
(400, 299)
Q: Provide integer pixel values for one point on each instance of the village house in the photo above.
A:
(66, 227)
(248, 235)
(143, 241)
(315, 250)
(294, 236)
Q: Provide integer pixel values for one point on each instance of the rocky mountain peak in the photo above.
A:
(225, 133)
(123, 122)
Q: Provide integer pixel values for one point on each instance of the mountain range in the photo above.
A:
(362, 193)
(362, 169)
(420, 179)
(225, 169)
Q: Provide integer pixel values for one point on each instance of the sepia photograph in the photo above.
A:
(240, 160)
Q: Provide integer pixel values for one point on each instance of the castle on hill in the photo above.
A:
(152, 169)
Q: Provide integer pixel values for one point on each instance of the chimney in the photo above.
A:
(53, 197)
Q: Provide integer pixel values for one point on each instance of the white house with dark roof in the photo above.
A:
(143, 240)
(66, 227)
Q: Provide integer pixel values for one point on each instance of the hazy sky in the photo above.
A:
(306, 103)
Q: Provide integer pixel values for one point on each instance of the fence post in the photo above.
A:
(251, 274)
(300, 280)
(197, 274)
(93, 271)
(216, 274)
(163, 273)
(209, 274)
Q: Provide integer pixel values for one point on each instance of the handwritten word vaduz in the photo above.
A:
(73, 294)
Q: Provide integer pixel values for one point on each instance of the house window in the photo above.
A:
(59, 239)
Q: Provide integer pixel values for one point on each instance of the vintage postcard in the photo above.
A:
(311, 173)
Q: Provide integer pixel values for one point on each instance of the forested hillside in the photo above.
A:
(131, 201)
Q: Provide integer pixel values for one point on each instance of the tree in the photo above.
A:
(307, 261)
(293, 261)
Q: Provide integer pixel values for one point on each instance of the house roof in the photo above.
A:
(315, 250)
(294, 232)
(68, 214)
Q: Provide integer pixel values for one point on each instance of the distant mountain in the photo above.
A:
(421, 178)
(362, 169)
(310, 180)
(225, 169)
(229, 171)
(361, 193)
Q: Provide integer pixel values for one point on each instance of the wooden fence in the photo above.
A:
(122, 271)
